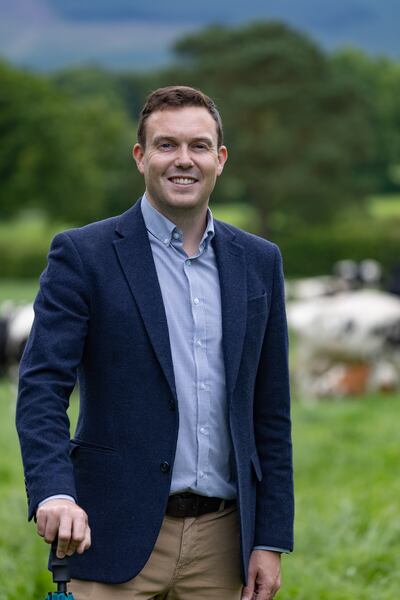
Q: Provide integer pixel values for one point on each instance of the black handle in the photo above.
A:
(59, 567)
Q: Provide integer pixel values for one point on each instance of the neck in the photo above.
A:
(192, 230)
(192, 223)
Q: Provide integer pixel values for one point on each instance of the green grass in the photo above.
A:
(385, 207)
(239, 214)
(24, 243)
(348, 519)
(23, 555)
(18, 290)
(347, 455)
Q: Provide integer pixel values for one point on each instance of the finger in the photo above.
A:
(64, 535)
(72, 546)
(276, 588)
(41, 519)
(272, 589)
(86, 543)
(51, 529)
(79, 525)
(265, 592)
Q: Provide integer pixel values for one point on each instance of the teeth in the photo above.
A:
(183, 180)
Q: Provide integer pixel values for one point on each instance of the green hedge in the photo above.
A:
(24, 246)
(314, 252)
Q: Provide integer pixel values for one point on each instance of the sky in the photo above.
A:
(48, 35)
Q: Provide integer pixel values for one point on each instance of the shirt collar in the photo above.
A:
(163, 229)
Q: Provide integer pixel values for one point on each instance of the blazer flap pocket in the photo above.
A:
(78, 443)
(256, 306)
(257, 466)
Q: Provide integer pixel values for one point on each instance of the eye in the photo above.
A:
(200, 146)
(165, 146)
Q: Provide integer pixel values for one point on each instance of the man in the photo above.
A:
(178, 481)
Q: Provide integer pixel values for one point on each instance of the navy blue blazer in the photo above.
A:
(99, 315)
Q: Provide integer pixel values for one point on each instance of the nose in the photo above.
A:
(183, 158)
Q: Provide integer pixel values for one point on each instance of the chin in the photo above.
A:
(183, 202)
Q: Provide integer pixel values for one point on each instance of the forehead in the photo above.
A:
(182, 123)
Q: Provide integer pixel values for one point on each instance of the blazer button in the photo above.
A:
(165, 467)
(171, 405)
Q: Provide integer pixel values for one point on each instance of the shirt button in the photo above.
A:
(201, 473)
(165, 467)
(203, 430)
(196, 300)
(166, 241)
(202, 386)
(176, 235)
(198, 343)
(188, 262)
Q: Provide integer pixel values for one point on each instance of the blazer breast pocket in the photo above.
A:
(257, 306)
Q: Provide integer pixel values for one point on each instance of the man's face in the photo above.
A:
(181, 160)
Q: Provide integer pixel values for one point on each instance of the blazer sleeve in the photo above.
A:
(272, 423)
(48, 373)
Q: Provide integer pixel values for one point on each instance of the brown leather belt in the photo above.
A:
(188, 504)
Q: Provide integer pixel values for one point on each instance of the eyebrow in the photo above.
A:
(170, 138)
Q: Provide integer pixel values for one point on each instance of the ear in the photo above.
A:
(222, 158)
(138, 155)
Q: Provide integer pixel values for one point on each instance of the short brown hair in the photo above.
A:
(177, 96)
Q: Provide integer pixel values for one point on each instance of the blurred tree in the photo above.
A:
(124, 90)
(379, 78)
(296, 128)
(107, 136)
(133, 88)
(88, 81)
(113, 99)
(70, 158)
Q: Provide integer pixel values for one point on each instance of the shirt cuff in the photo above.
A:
(56, 497)
(272, 549)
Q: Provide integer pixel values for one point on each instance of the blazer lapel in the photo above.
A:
(136, 259)
(232, 274)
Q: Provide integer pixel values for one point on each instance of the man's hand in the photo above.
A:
(264, 578)
(65, 519)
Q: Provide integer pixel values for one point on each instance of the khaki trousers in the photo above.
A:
(193, 559)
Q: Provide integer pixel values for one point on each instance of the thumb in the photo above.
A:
(248, 590)
(247, 593)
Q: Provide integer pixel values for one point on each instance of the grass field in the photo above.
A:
(347, 456)
(23, 571)
(19, 290)
(385, 207)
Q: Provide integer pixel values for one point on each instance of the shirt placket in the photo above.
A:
(192, 269)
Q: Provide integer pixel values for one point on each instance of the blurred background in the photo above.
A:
(309, 95)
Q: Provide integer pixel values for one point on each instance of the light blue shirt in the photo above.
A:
(192, 300)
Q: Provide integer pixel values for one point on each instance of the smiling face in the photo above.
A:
(181, 160)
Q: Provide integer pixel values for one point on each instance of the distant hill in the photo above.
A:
(49, 34)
